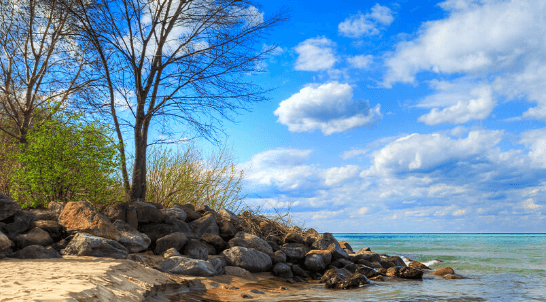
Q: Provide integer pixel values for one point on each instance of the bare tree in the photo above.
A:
(40, 62)
(182, 61)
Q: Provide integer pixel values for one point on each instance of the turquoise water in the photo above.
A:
(497, 267)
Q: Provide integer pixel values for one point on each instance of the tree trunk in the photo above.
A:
(138, 187)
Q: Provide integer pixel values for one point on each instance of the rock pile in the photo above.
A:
(193, 242)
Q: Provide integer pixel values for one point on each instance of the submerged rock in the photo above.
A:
(405, 272)
(444, 271)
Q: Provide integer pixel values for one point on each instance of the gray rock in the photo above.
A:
(147, 212)
(248, 258)
(39, 214)
(21, 223)
(175, 240)
(89, 245)
(236, 241)
(283, 270)
(340, 263)
(133, 240)
(255, 242)
(238, 272)
(196, 249)
(205, 225)
(293, 237)
(227, 229)
(218, 262)
(56, 207)
(278, 257)
(5, 243)
(298, 271)
(175, 213)
(315, 262)
(154, 231)
(171, 253)
(327, 241)
(37, 252)
(116, 211)
(187, 266)
(216, 241)
(8, 207)
(229, 216)
(54, 228)
(189, 209)
(36, 236)
(294, 251)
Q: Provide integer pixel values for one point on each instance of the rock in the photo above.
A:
(347, 247)
(255, 242)
(54, 228)
(216, 241)
(327, 241)
(238, 272)
(454, 276)
(133, 240)
(175, 240)
(229, 216)
(116, 211)
(246, 296)
(405, 272)
(377, 278)
(236, 241)
(325, 254)
(89, 245)
(147, 212)
(155, 231)
(298, 271)
(205, 225)
(175, 213)
(364, 249)
(309, 240)
(218, 262)
(293, 237)
(334, 271)
(191, 214)
(247, 258)
(21, 223)
(444, 271)
(274, 246)
(83, 218)
(278, 257)
(60, 245)
(295, 251)
(40, 214)
(36, 236)
(227, 230)
(132, 217)
(183, 227)
(5, 243)
(340, 263)
(367, 271)
(351, 267)
(8, 207)
(187, 266)
(37, 252)
(147, 259)
(397, 261)
(419, 265)
(334, 278)
(56, 207)
(211, 249)
(170, 253)
(196, 249)
(282, 270)
(314, 262)
(387, 264)
(365, 255)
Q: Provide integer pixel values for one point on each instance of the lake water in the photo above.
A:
(497, 267)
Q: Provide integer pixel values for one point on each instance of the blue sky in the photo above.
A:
(404, 116)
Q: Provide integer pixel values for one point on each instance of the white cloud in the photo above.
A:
(366, 24)
(477, 105)
(363, 210)
(337, 175)
(535, 140)
(529, 204)
(329, 107)
(459, 212)
(315, 54)
(361, 61)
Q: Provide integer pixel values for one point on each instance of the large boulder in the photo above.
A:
(89, 245)
(247, 258)
(325, 254)
(8, 207)
(81, 217)
(283, 270)
(133, 240)
(327, 241)
(175, 213)
(227, 229)
(367, 271)
(157, 230)
(54, 228)
(147, 212)
(315, 262)
(229, 216)
(255, 242)
(419, 265)
(189, 209)
(218, 262)
(205, 225)
(175, 240)
(5, 243)
(238, 272)
(20, 223)
(215, 240)
(397, 261)
(187, 266)
(196, 249)
(40, 214)
(293, 237)
(36, 236)
(404, 272)
(116, 211)
(37, 252)
(342, 279)
(278, 257)
(183, 227)
(56, 207)
(365, 255)
(347, 247)
(294, 251)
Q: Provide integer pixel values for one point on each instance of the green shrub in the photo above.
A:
(65, 160)
(186, 177)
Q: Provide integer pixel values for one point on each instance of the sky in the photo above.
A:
(401, 116)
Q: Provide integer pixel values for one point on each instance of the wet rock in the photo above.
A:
(278, 257)
(218, 262)
(36, 236)
(293, 237)
(54, 228)
(419, 265)
(83, 218)
(397, 261)
(247, 258)
(175, 213)
(367, 271)
(282, 270)
(187, 266)
(5, 243)
(147, 212)
(205, 225)
(171, 252)
(238, 272)
(89, 245)
(8, 207)
(196, 249)
(351, 267)
(347, 247)
(334, 278)
(453, 276)
(189, 209)
(365, 255)
(387, 264)
(37, 252)
(334, 271)
(377, 278)
(327, 241)
(255, 242)
(155, 231)
(175, 240)
(295, 251)
(133, 240)
(315, 262)
(216, 241)
(405, 272)
(444, 271)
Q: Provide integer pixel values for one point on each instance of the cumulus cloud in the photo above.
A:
(361, 61)
(535, 140)
(368, 24)
(329, 108)
(315, 54)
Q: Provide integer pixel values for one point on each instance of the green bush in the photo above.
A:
(65, 159)
(187, 177)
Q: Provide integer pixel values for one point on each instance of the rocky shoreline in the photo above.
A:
(175, 245)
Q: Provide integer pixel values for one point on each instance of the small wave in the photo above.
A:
(431, 262)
